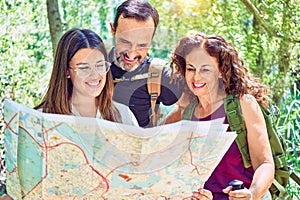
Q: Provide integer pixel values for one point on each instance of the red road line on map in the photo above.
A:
(46, 174)
(129, 163)
(191, 154)
(35, 185)
(28, 133)
(13, 171)
(45, 137)
(20, 127)
(45, 132)
(23, 128)
(85, 158)
(103, 178)
(48, 148)
(87, 162)
(69, 143)
(8, 124)
(53, 127)
(97, 172)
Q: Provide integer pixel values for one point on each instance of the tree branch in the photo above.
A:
(270, 30)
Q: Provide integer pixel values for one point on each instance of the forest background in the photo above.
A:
(265, 32)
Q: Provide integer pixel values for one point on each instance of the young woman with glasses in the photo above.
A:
(81, 82)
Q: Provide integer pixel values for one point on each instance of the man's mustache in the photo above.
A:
(125, 54)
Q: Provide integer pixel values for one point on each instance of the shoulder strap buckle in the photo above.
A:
(154, 86)
(154, 96)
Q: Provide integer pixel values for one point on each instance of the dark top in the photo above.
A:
(231, 166)
(135, 93)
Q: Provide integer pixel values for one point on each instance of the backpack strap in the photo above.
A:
(278, 147)
(236, 122)
(277, 190)
(154, 86)
(133, 78)
(189, 110)
(295, 177)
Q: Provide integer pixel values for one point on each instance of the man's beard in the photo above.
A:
(122, 64)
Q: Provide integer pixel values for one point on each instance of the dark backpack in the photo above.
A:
(153, 77)
(236, 122)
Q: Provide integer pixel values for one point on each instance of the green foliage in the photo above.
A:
(288, 126)
(25, 54)
(94, 15)
(26, 51)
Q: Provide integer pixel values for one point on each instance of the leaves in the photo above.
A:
(271, 53)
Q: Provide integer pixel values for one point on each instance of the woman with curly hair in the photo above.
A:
(213, 70)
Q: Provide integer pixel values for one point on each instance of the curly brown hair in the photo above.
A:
(236, 77)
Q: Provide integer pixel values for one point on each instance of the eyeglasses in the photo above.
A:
(84, 69)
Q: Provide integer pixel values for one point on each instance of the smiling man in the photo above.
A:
(133, 30)
(133, 39)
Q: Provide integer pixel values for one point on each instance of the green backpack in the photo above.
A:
(236, 122)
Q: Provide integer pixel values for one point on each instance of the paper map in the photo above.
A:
(50, 156)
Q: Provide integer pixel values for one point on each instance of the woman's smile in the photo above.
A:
(94, 83)
(197, 85)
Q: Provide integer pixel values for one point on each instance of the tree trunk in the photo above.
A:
(55, 24)
(285, 46)
(284, 54)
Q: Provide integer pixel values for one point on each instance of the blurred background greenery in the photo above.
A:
(265, 32)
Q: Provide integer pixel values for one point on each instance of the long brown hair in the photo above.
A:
(237, 79)
(60, 88)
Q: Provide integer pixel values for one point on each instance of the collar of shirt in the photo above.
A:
(76, 113)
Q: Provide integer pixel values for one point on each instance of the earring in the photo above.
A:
(68, 76)
(221, 84)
